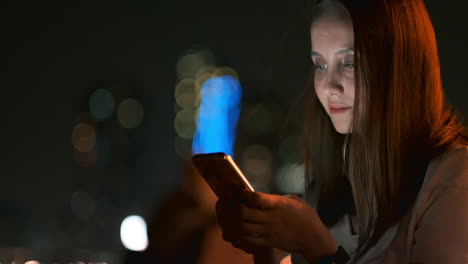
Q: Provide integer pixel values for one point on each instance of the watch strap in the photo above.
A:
(340, 257)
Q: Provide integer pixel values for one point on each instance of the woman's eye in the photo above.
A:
(320, 67)
(349, 65)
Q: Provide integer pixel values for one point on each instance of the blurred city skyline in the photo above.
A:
(58, 55)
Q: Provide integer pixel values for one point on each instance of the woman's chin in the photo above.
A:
(342, 129)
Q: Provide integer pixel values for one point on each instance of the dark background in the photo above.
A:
(56, 54)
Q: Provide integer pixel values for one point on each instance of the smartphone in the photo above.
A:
(221, 173)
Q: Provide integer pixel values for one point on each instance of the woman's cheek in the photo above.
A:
(319, 91)
(349, 88)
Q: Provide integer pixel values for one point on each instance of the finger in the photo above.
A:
(250, 244)
(258, 200)
(293, 196)
(226, 213)
(220, 212)
(254, 242)
(251, 229)
(243, 246)
(253, 215)
(238, 242)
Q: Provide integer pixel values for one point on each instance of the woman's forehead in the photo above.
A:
(329, 32)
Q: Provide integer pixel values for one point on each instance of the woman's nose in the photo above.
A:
(333, 83)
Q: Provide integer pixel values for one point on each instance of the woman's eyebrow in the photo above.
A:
(350, 50)
(343, 51)
(313, 53)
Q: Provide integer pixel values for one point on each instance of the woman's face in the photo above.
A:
(333, 58)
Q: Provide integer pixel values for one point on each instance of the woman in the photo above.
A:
(387, 159)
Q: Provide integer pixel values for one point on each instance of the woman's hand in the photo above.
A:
(252, 221)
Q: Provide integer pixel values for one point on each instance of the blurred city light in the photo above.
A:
(133, 233)
(204, 73)
(84, 137)
(223, 71)
(192, 61)
(218, 115)
(291, 179)
(101, 104)
(130, 113)
(185, 93)
(256, 162)
(185, 123)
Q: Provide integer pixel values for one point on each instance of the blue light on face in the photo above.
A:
(218, 115)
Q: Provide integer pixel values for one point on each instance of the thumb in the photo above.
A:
(258, 200)
(294, 197)
(247, 197)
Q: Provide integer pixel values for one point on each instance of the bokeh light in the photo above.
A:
(183, 148)
(218, 115)
(184, 123)
(256, 162)
(192, 61)
(101, 104)
(32, 262)
(225, 71)
(130, 113)
(84, 137)
(291, 179)
(207, 104)
(185, 93)
(82, 205)
(133, 233)
(204, 73)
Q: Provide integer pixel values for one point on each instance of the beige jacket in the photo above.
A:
(434, 231)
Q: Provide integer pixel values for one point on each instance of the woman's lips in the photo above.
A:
(336, 109)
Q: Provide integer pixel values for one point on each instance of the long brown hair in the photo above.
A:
(400, 119)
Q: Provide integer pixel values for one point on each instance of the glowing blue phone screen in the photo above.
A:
(218, 115)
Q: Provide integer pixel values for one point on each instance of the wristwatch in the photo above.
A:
(340, 257)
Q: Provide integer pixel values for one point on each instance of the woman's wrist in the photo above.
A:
(339, 257)
(314, 253)
(313, 258)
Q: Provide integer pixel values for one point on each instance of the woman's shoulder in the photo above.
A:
(446, 172)
(437, 229)
(448, 169)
